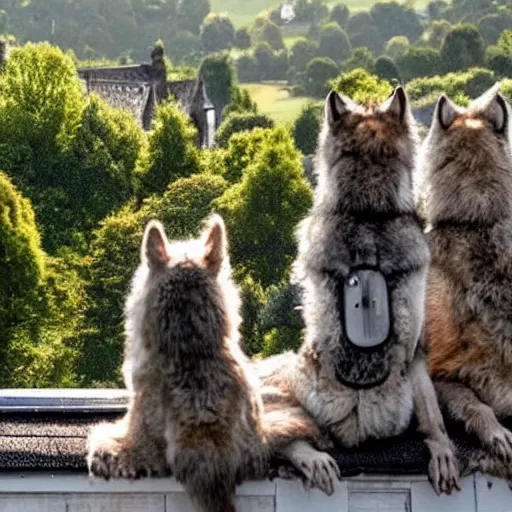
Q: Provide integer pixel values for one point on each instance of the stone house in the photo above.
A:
(140, 88)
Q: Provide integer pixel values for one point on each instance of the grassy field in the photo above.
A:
(274, 100)
(243, 12)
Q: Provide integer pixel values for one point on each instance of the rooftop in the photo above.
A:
(47, 430)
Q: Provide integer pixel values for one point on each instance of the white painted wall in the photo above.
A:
(44, 492)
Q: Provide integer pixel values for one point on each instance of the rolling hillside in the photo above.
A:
(242, 13)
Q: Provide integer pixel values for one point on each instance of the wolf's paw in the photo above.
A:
(318, 468)
(498, 440)
(123, 464)
(443, 469)
(321, 472)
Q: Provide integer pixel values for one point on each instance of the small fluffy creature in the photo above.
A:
(196, 408)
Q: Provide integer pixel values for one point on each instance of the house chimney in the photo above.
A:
(159, 70)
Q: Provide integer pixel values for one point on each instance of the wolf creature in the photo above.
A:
(196, 406)
(196, 410)
(467, 193)
(363, 216)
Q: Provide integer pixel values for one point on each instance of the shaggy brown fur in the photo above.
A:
(196, 407)
(468, 198)
(364, 214)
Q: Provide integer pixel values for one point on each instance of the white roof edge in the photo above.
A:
(63, 400)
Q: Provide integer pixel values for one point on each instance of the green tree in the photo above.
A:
(238, 122)
(386, 69)
(492, 25)
(283, 325)
(361, 58)
(505, 42)
(339, 14)
(363, 32)
(262, 210)
(268, 32)
(217, 33)
(243, 38)
(394, 19)
(307, 127)
(114, 256)
(334, 43)
(397, 46)
(241, 151)
(266, 58)
(417, 62)
(302, 51)
(253, 302)
(498, 61)
(217, 71)
(99, 166)
(435, 34)
(172, 152)
(463, 47)
(318, 73)
(361, 86)
(22, 264)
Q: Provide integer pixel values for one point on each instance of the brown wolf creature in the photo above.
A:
(196, 408)
(468, 202)
(363, 217)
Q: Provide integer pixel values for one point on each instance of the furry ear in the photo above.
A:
(154, 245)
(496, 111)
(336, 107)
(397, 103)
(215, 243)
(445, 112)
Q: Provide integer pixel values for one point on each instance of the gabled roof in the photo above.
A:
(129, 95)
(137, 73)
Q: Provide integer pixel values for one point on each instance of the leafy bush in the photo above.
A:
(243, 38)
(114, 256)
(262, 210)
(334, 43)
(217, 33)
(458, 86)
(307, 127)
(22, 262)
(318, 73)
(394, 19)
(220, 79)
(361, 86)
(238, 122)
(339, 14)
(268, 32)
(386, 69)
(397, 46)
(172, 152)
(302, 52)
(462, 48)
(417, 62)
(361, 58)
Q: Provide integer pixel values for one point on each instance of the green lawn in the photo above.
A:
(243, 12)
(274, 100)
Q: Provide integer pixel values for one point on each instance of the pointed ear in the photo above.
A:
(446, 112)
(497, 112)
(154, 245)
(397, 103)
(336, 107)
(215, 243)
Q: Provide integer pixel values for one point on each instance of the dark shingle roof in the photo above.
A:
(131, 96)
(56, 441)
